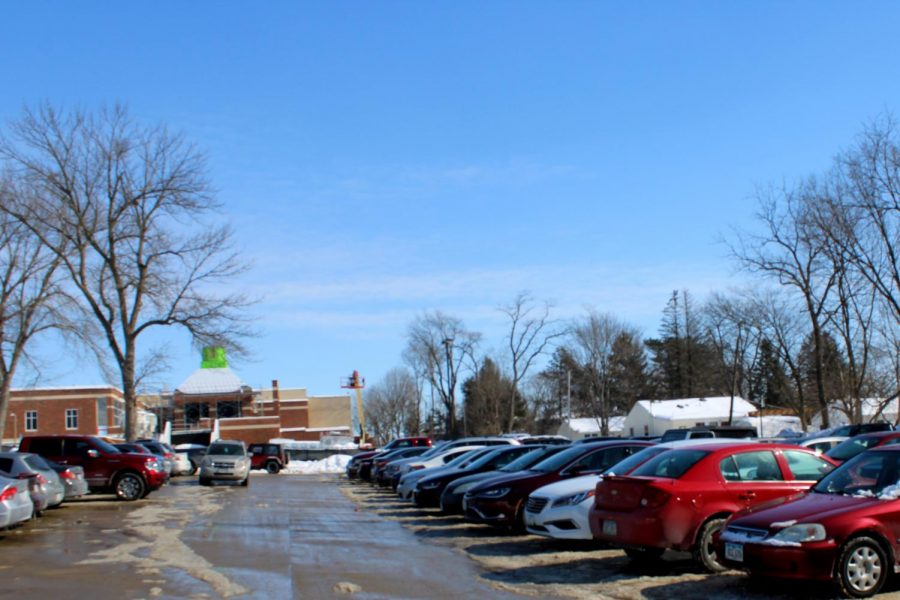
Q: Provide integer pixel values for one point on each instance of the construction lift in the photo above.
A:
(355, 382)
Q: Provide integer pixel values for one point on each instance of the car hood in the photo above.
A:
(567, 487)
(801, 508)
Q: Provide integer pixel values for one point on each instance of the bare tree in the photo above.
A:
(531, 332)
(391, 406)
(593, 339)
(129, 212)
(29, 295)
(442, 345)
(791, 252)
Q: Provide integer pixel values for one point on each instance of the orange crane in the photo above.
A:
(355, 382)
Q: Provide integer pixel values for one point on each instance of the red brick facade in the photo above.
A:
(92, 411)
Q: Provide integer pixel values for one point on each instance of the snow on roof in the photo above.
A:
(592, 424)
(211, 381)
(696, 408)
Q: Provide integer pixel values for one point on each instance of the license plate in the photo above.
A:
(734, 552)
(609, 527)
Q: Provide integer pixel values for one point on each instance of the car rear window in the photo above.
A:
(36, 462)
(850, 448)
(672, 464)
(6, 465)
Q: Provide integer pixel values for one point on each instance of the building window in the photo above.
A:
(71, 418)
(30, 420)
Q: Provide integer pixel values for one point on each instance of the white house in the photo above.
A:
(576, 429)
(654, 417)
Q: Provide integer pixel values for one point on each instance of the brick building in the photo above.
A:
(214, 397)
(90, 410)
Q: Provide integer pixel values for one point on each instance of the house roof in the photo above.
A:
(696, 408)
(211, 381)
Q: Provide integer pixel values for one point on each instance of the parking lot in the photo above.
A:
(321, 536)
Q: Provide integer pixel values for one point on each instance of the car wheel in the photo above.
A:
(644, 555)
(272, 467)
(246, 481)
(193, 470)
(862, 568)
(704, 550)
(204, 481)
(129, 487)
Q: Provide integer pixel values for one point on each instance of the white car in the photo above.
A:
(560, 510)
(183, 464)
(16, 505)
(423, 468)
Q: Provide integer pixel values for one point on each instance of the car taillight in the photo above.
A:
(67, 475)
(653, 497)
(41, 479)
(8, 494)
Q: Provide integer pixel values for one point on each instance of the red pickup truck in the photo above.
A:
(107, 470)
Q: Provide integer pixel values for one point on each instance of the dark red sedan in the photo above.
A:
(501, 500)
(680, 498)
(844, 529)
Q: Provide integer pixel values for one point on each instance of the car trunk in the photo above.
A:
(622, 493)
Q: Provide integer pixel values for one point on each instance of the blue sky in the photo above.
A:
(382, 159)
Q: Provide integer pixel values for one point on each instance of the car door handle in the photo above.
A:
(747, 496)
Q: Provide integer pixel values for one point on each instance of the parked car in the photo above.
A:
(560, 510)
(454, 493)
(821, 444)
(129, 476)
(194, 453)
(16, 505)
(72, 478)
(428, 490)
(408, 442)
(500, 501)
(844, 529)
(46, 489)
(354, 463)
(679, 499)
(225, 460)
(270, 457)
(862, 442)
(135, 448)
(855, 429)
(423, 468)
(381, 464)
(161, 450)
(182, 464)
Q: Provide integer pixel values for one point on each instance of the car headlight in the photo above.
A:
(802, 532)
(495, 493)
(574, 499)
(430, 485)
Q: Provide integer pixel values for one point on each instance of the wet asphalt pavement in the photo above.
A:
(282, 537)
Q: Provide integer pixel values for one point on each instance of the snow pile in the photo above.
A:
(333, 464)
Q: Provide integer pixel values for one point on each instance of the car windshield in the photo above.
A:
(672, 464)
(626, 465)
(474, 457)
(869, 474)
(462, 458)
(560, 460)
(105, 446)
(526, 460)
(850, 448)
(225, 450)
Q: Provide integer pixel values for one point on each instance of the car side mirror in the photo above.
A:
(91, 453)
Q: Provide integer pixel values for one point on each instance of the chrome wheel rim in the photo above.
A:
(129, 487)
(864, 569)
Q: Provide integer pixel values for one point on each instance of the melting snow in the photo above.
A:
(333, 464)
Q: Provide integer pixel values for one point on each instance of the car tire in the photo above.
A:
(246, 481)
(272, 467)
(129, 487)
(704, 551)
(193, 470)
(204, 481)
(862, 568)
(644, 556)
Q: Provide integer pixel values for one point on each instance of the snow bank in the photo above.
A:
(333, 464)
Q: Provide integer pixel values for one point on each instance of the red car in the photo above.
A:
(501, 500)
(680, 498)
(844, 529)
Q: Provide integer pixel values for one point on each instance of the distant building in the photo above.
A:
(577, 429)
(213, 400)
(89, 410)
(654, 417)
